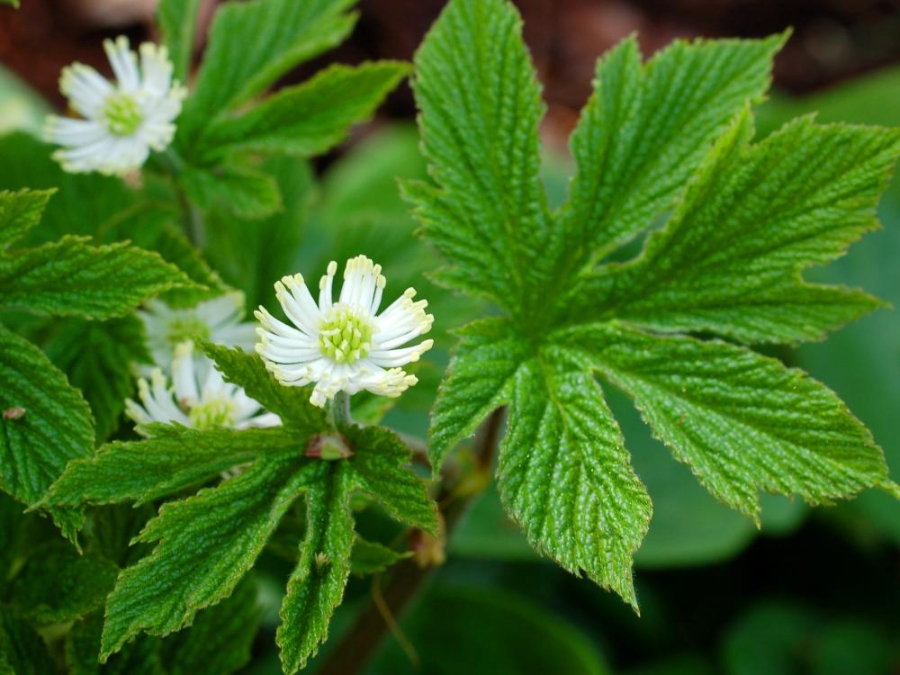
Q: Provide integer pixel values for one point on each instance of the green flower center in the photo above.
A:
(215, 413)
(185, 328)
(122, 114)
(344, 335)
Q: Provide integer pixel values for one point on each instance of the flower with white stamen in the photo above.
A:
(217, 320)
(344, 345)
(122, 121)
(198, 398)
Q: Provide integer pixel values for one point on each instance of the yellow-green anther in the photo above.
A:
(344, 336)
(215, 413)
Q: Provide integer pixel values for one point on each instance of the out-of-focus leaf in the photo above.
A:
(501, 632)
(57, 584)
(22, 651)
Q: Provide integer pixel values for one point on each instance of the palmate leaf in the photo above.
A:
(670, 136)
(206, 543)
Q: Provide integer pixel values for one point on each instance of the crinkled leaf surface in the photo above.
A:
(666, 142)
(219, 640)
(53, 428)
(207, 542)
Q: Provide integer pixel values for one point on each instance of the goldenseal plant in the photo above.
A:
(198, 398)
(344, 346)
(679, 244)
(122, 121)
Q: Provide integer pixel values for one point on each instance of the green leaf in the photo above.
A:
(14, 3)
(19, 212)
(269, 247)
(381, 462)
(290, 403)
(565, 476)
(173, 459)
(316, 586)
(82, 649)
(57, 584)
(479, 380)
(54, 426)
(306, 119)
(97, 359)
(84, 204)
(646, 129)
(503, 632)
(206, 544)
(275, 36)
(219, 640)
(242, 191)
(22, 651)
(73, 278)
(480, 109)
(743, 422)
(370, 557)
(729, 260)
(178, 25)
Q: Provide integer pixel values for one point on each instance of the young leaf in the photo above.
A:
(72, 278)
(206, 544)
(316, 586)
(370, 557)
(178, 25)
(57, 584)
(41, 431)
(743, 422)
(97, 359)
(276, 36)
(173, 459)
(220, 637)
(755, 216)
(309, 118)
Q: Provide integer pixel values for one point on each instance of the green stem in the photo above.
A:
(172, 164)
(339, 413)
(407, 578)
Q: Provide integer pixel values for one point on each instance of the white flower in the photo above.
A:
(122, 121)
(217, 320)
(200, 398)
(343, 346)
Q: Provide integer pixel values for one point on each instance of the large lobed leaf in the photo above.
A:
(667, 140)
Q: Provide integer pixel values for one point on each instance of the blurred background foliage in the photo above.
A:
(812, 591)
